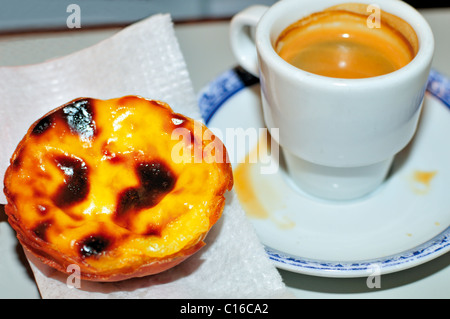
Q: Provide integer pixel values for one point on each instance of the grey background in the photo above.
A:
(26, 15)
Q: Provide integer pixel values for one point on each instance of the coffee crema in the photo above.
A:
(338, 42)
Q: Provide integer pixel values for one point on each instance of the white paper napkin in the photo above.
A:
(143, 59)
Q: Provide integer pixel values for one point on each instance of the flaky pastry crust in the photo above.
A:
(121, 188)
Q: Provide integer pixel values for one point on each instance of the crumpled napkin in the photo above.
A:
(143, 59)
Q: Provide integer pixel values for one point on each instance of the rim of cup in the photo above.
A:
(264, 41)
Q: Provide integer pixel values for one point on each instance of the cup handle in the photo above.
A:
(242, 43)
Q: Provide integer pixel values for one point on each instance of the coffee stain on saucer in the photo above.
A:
(421, 181)
(246, 193)
(257, 194)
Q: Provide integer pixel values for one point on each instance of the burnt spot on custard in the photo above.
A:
(93, 245)
(16, 161)
(153, 230)
(155, 181)
(117, 159)
(76, 181)
(41, 229)
(43, 125)
(79, 116)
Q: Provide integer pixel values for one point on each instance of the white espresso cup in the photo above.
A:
(338, 136)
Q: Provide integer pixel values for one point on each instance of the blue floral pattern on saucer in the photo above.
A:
(439, 86)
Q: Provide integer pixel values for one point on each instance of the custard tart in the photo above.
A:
(121, 188)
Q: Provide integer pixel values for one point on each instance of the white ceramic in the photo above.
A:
(403, 224)
(339, 136)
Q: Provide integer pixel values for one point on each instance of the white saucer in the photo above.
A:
(405, 223)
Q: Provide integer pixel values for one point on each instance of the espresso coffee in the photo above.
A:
(343, 43)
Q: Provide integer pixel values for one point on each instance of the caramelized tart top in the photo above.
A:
(115, 185)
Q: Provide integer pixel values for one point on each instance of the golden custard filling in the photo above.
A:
(95, 183)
